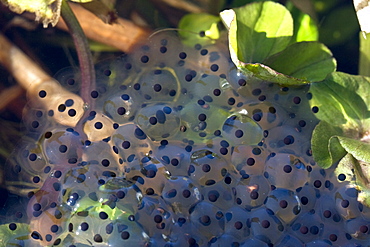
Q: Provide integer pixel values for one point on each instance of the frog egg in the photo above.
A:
(265, 114)
(307, 227)
(358, 228)
(254, 242)
(131, 143)
(119, 107)
(207, 168)
(224, 240)
(346, 202)
(98, 127)
(252, 192)
(155, 216)
(285, 139)
(249, 160)
(49, 223)
(180, 193)
(319, 243)
(335, 234)
(281, 168)
(235, 223)
(326, 208)
(284, 203)
(157, 85)
(265, 226)
(219, 194)
(289, 241)
(62, 146)
(152, 179)
(185, 234)
(308, 197)
(207, 219)
(158, 121)
(36, 121)
(65, 107)
(25, 168)
(174, 156)
(204, 125)
(240, 129)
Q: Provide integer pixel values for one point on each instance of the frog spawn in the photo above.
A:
(179, 149)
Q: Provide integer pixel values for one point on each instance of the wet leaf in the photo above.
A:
(257, 31)
(343, 101)
(311, 61)
(325, 150)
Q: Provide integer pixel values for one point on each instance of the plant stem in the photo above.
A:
(83, 53)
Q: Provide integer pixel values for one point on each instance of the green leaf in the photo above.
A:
(310, 61)
(11, 238)
(326, 151)
(264, 72)
(305, 28)
(258, 30)
(364, 66)
(343, 101)
(192, 24)
(359, 149)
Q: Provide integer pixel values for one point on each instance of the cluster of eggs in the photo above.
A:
(180, 148)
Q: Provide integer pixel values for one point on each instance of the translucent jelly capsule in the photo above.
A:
(120, 193)
(52, 97)
(289, 241)
(36, 121)
(358, 229)
(62, 146)
(204, 125)
(308, 197)
(307, 226)
(249, 160)
(98, 127)
(157, 84)
(254, 242)
(48, 225)
(265, 114)
(131, 142)
(224, 240)
(174, 156)
(236, 223)
(240, 129)
(317, 243)
(208, 219)
(285, 139)
(286, 171)
(327, 211)
(207, 168)
(265, 226)
(219, 194)
(284, 203)
(185, 234)
(335, 234)
(252, 192)
(25, 168)
(120, 107)
(181, 194)
(155, 216)
(346, 202)
(158, 121)
(151, 180)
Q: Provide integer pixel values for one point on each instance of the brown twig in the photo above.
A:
(123, 34)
